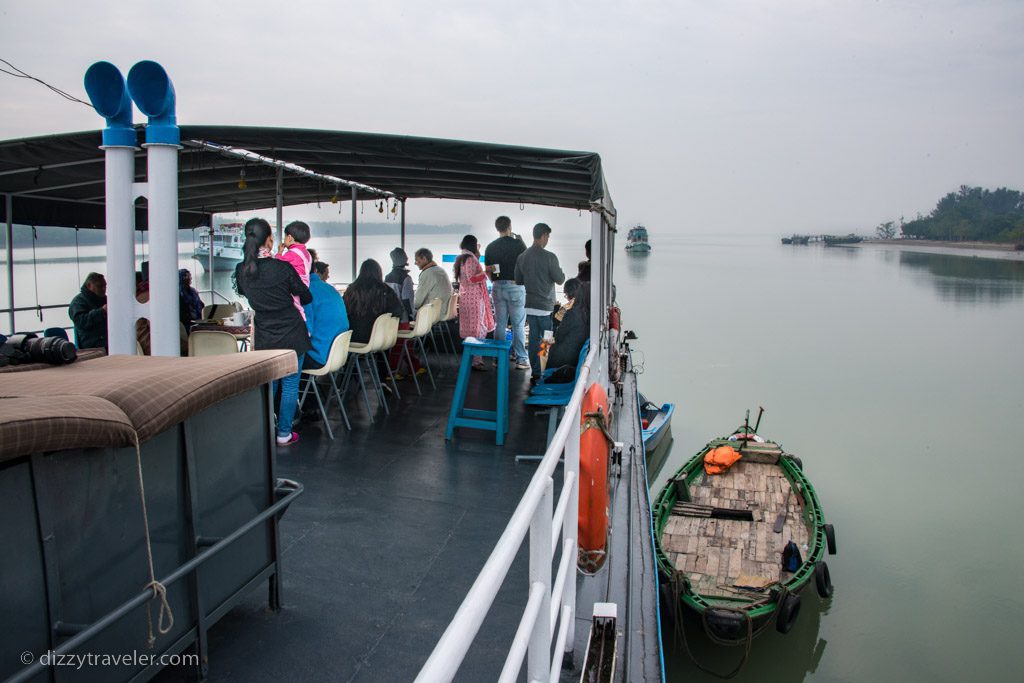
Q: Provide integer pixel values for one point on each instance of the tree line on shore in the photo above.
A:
(969, 214)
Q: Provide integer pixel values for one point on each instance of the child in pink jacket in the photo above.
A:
(293, 250)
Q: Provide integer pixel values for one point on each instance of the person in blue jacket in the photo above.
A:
(326, 316)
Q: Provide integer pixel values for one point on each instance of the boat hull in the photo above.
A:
(220, 263)
(639, 247)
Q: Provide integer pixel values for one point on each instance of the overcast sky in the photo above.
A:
(721, 115)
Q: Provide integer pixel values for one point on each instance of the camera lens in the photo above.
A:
(52, 350)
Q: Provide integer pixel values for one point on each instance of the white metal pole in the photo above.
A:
(9, 208)
(570, 525)
(597, 275)
(538, 664)
(163, 243)
(120, 242)
(355, 196)
(280, 204)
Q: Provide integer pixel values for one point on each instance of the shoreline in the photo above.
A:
(993, 250)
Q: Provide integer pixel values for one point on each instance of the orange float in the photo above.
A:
(594, 450)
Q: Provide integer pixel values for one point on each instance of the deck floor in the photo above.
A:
(716, 553)
(393, 527)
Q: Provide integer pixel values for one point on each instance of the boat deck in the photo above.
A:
(380, 550)
(722, 557)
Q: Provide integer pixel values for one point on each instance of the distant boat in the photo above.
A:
(832, 240)
(228, 239)
(636, 239)
(796, 239)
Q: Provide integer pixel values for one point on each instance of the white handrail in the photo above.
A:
(448, 654)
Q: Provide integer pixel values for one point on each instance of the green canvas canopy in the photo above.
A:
(59, 179)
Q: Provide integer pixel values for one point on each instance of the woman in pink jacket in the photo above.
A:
(476, 319)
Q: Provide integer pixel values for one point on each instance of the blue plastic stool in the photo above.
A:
(460, 415)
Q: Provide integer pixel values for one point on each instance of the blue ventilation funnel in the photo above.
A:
(109, 96)
(153, 92)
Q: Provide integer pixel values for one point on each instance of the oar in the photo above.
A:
(760, 412)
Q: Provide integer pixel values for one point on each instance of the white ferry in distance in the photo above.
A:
(636, 239)
(228, 239)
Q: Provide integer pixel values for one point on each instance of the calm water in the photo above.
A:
(898, 378)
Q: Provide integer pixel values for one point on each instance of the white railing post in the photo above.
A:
(539, 656)
(570, 525)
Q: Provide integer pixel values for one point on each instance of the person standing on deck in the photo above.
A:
(88, 312)
(537, 269)
(475, 316)
(509, 297)
(272, 286)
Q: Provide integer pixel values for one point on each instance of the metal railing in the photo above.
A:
(551, 605)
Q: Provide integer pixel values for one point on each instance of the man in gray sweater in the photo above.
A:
(538, 269)
(433, 284)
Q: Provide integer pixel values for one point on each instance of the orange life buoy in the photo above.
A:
(594, 449)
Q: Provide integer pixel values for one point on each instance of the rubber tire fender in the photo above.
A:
(787, 612)
(822, 579)
(830, 538)
(797, 462)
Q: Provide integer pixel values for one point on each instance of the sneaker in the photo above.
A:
(422, 371)
(522, 365)
(287, 440)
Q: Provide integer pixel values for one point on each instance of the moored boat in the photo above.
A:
(655, 420)
(227, 239)
(636, 239)
(738, 547)
(833, 240)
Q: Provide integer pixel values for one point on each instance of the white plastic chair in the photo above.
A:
(444, 331)
(211, 343)
(361, 352)
(425, 319)
(388, 341)
(336, 358)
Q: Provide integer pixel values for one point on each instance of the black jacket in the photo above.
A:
(569, 339)
(381, 298)
(86, 312)
(278, 322)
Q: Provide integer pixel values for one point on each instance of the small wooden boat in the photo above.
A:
(724, 542)
(655, 421)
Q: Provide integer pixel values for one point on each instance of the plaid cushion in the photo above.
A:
(83, 355)
(33, 424)
(154, 392)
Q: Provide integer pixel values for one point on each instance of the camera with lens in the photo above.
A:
(19, 349)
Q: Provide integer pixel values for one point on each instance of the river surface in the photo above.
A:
(897, 376)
